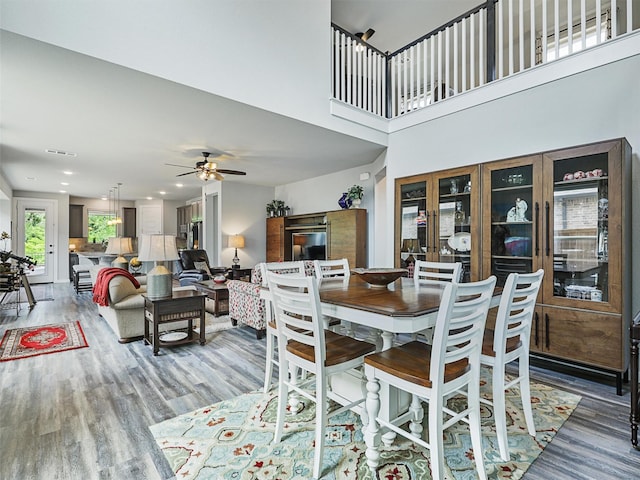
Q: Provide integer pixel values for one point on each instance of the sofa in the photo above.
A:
(245, 305)
(125, 312)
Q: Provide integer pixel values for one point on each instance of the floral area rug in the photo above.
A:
(29, 342)
(232, 440)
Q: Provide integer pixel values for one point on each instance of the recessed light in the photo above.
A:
(63, 191)
(61, 152)
(104, 198)
(31, 178)
(179, 185)
(162, 193)
(64, 183)
(67, 172)
(149, 198)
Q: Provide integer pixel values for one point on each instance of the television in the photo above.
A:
(309, 246)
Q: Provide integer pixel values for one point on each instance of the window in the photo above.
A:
(99, 226)
(591, 37)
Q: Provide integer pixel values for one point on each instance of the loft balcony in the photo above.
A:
(496, 40)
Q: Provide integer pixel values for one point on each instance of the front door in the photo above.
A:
(34, 234)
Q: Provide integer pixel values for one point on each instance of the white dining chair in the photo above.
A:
(433, 373)
(286, 268)
(508, 342)
(426, 273)
(304, 343)
(334, 270)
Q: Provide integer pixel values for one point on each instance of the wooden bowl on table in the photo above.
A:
(379, 277)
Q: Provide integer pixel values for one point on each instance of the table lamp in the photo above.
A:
(119, 246)
(158, 248)
(236, 241)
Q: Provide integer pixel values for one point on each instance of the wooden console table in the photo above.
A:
(185, 305)
(635, 394)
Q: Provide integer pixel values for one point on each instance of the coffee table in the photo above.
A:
(218, 292)
(185, 305)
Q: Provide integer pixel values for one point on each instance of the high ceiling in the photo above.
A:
(110, 117)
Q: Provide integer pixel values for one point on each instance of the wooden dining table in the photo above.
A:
(396, 308)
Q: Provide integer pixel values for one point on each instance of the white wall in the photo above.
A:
(322, 194)
(277, 50)
(599, 104)
(241, 210)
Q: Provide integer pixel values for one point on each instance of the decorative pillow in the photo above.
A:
(203, 266)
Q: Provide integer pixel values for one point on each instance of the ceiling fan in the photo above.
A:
(206, 169)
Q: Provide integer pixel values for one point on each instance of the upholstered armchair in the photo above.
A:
(245, 305)
(193, 266)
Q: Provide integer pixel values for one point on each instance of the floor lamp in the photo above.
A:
(158, 248)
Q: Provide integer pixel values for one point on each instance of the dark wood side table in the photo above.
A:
(180, 306)
(239, 273)
(635, 394)
(218, 292)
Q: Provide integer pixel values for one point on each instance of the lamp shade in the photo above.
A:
(119, 245)
(157, 248)
(236, 241)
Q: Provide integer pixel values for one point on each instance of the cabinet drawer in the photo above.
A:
(592, 338)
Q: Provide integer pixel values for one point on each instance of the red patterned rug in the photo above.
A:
(32, 341)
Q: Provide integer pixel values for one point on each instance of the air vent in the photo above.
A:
(61, 152)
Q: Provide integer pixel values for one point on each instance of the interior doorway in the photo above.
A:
(34, 234)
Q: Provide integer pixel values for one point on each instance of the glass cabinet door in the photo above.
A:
(578, 222)
(414, 223)
(453, 241)
(514, 216)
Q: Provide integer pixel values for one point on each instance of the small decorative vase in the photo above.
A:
(345, 201)
(355, 203)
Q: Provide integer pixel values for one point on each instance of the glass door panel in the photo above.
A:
(414, 223)
(453, 243)
(580, 228)
(512, 221)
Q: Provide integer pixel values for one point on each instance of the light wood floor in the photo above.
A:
(84, 414)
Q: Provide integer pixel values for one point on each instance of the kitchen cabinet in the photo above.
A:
(196, 212)
(129, 222)
(183, 219)
(437, 219)
(76, 223)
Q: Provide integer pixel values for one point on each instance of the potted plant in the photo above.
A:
(355, 194)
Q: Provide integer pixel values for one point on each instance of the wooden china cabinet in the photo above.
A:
(438, 219)
(552, 210)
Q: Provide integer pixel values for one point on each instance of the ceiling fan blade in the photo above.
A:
(216, 175)
(230, 172)
(183, 174)
(174, 165)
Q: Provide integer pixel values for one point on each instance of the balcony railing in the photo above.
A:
(494, 40)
